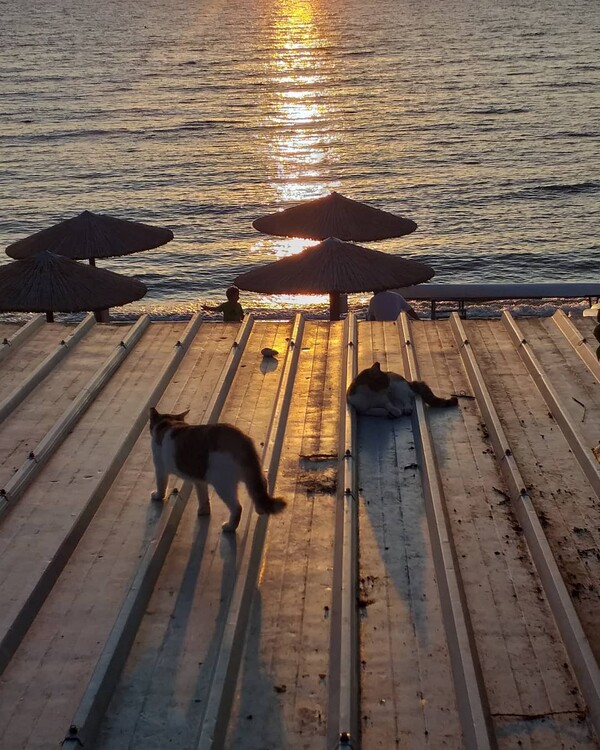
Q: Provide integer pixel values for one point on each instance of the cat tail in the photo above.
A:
(256, 484)
(423, 390)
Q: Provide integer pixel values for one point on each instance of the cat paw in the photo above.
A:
(407, 412)
(234, 521)
(157, 497)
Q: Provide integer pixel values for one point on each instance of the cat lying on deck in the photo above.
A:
(217, 454)
(375, 392)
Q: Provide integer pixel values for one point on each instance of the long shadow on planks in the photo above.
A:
(160, 677)
(392, 492)
(257, 691)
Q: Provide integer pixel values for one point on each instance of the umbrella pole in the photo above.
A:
(49, 317)
(334, 306)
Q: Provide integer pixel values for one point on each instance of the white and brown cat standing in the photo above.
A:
(377, 392)
(216, 454)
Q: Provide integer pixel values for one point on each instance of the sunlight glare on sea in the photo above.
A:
(300, 106)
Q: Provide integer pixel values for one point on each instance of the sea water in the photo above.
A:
(478, 119)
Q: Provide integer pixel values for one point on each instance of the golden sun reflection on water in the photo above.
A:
(294, 301)
(301, 141)
(290, 246)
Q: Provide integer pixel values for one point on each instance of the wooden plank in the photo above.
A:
(584, 345)
(555, 482)
(570, 429)
(407, 692)
(586, 326)
(521, 657)
(18, 483)
(29, 353)
(46, 657)
(575, 640)
(27, 425)
(110, 664)
(470, 692)
(11, 401)
(12, 340)
(216, 716)
(6, 331)
(283, 683)
(174, 655)
(25, 595)
(576, 387)
(102, 569)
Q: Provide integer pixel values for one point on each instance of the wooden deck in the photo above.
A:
(433, 582)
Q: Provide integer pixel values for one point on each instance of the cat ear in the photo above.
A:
(182, 416)
(376, 366)
(152, 411)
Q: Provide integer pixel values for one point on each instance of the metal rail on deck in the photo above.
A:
(55, 565)
(11, 402)
(343, 730)
(575, 641)
(224, 679)
(13, 342)
(471, 697)
(577, 341)
(582, 452)
(114, 655)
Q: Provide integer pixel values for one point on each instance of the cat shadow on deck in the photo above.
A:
(391, 498)
(259, 720)
(183, 663)
(228, 553)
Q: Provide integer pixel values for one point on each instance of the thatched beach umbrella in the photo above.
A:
(335, 216)
(50, 283)
(89, 236)
(334, 267)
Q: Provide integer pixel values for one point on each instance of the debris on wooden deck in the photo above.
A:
(432, 583)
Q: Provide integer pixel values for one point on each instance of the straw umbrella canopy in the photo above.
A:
(334, 267)
(335, 216)
(51, 283)
(89, 236)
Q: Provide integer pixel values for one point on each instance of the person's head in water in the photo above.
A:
(233, 294)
